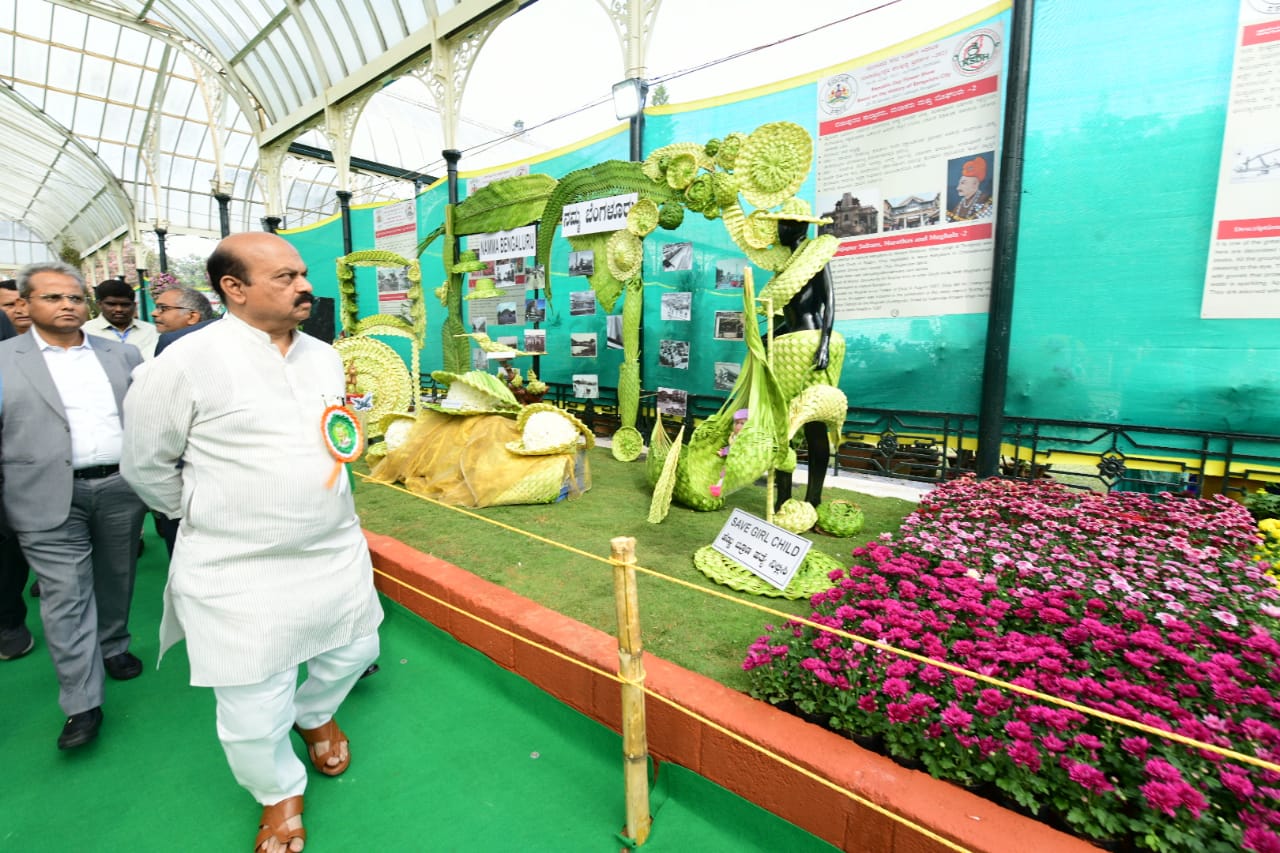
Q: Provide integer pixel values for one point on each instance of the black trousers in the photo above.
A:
(13, 583)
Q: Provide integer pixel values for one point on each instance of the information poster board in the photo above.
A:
(906, 168)
(1242, 280)
(395, 229)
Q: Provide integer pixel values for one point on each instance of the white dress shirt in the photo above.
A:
(141, 335)
(88, 399)
(271, 567)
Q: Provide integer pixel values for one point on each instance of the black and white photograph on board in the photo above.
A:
(535, 340)
(507, 315)
(504, 274)
(727, 374)
(582, 263)
(677, 306)
(479, 325)
(729, 325)
(479, 359)
(674, 354)
(510, 341)
(582, 302)
(677, 257)
(586, 386)
(582, 344)
(613, 331)
(535, 277)
(673, 401)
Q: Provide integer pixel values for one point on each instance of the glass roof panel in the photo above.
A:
(333, 65)
(64, 68)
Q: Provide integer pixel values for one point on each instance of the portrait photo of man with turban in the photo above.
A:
(970, 195)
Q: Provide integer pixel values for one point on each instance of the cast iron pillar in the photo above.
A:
(224, 213)
(344, 205)
(164, 258)
(995, 368)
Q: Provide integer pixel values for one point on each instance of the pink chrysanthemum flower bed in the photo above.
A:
(1150, 608)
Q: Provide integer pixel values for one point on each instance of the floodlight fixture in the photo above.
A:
(628, 97)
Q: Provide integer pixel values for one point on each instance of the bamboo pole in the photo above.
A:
(635, 746)
(770, 493)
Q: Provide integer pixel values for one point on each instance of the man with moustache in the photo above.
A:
(76, 519)
(270, 569)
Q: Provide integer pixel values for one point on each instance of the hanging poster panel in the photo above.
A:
(395, 229)
(1243, 276)
(906, 166)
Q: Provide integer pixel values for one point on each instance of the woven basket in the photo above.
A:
(840, 518)
(812, 577)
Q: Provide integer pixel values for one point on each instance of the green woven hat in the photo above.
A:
(642, 218)
(773, 162)
(468, 261)
(473, 393)
(484, 290)
(623, 254)
(760, 231)
(794, 209)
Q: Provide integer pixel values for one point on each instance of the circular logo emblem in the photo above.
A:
(975, 52)
(342, 434)
(836, 94)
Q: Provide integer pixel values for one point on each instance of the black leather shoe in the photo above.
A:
(80, 728)
(123, 666)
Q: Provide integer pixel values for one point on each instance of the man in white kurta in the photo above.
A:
(270, 568)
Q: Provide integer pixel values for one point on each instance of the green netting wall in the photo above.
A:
(1124, 132)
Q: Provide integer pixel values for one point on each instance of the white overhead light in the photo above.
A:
(628, 97)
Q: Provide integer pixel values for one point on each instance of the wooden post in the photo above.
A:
(770, 488)
(635, 745)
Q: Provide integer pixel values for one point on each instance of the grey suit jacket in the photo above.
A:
(35, 438)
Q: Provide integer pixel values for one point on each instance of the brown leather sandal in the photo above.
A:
(331, 733)
(274, 823)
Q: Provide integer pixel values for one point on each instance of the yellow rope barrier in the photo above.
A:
(949, 667)
(648, 691)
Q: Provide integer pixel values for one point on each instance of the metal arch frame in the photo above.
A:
(110, 184)
(235, 86)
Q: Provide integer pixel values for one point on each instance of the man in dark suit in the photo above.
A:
(180, 311)
(77, 520)
(15, 639)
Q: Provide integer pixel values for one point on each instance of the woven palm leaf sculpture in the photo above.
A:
(761, 444)
(414, 329)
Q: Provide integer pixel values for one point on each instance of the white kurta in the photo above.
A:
(270, 567)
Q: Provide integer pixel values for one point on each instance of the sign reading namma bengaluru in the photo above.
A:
(906, 171)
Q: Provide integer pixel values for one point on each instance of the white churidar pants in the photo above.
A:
(254, 719)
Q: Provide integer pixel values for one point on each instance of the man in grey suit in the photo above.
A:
(77, 520)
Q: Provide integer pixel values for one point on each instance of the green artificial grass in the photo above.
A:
(700, 632)
(450, 752)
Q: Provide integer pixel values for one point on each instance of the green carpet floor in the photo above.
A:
(450, 753)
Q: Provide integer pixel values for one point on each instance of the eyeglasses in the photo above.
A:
(160, 309)
(55, 298)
